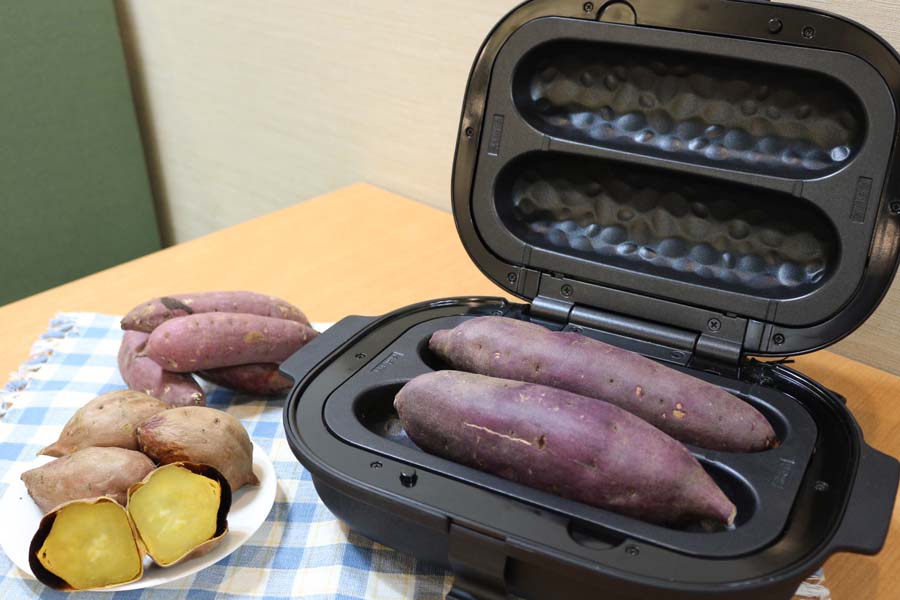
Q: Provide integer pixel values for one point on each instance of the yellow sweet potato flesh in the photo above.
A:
(174, 512)
(91, 545)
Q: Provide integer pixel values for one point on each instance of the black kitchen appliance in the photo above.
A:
(699, 181)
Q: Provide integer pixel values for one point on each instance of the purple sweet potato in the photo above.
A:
(563, 443)
(147, 316)
(260, 379)
(87, 473)
(688, 409)
(110, 420)
(214, 340)
(143, 374)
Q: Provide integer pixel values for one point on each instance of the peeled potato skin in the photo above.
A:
(221, 515)
(87, 473)
(51, 579)
(201, 435)
(108, 420)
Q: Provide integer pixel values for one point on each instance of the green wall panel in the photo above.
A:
(74, 190)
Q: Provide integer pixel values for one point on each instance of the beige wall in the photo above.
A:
(251, 106)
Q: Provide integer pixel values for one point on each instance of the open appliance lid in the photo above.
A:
(702, 180)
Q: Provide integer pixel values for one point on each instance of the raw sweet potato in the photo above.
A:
(107, 420)
(201, 435)
(688, 409)
(260, 379)
(143, 374)
(213, 340)
(86, 544)
(559, 442)
(147, 316)
(87, 473)
(180, 511)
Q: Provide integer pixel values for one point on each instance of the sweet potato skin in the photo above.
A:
(689, 409)
(144, 374)
(263, 379)
(214, 340)
(559, 442)
(147, 316)
(108, 420)
(87, 473)
(202, 435)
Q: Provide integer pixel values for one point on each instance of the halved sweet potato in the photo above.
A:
(180, 511)
(86, 544)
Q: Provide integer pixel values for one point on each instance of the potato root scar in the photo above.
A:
(254, 337)
(498, 434)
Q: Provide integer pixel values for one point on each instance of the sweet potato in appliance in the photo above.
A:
(147, 316)
(107, 420)
(201, 435)
(559, 442)
(689, 409)
(214, 340)
(144, 374)
(86, 473)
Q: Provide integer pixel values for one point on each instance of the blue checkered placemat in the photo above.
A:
(301, 551)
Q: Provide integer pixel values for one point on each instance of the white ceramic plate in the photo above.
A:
(250, 506)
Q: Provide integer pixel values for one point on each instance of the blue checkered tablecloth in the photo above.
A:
(302, 550)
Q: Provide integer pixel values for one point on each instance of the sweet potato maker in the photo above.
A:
(700, 181)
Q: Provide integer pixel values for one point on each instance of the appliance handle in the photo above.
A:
(302, 362)
(868, 516)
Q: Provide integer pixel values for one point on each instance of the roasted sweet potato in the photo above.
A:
(87, 473)
(260, 379)
(200, 435)
(556, 441)
(147, 316)
(86, 544)
(180, 511)
(144, 374)
(107, 420)
(214, 340)
(685, 407)
(176, 512)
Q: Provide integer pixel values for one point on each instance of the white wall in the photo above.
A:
(249, 106)
(252, 106)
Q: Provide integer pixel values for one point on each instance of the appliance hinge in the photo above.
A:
(479, 565)
(720, 352)
(718, 355)
(551, 309)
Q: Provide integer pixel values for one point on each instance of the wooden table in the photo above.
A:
(361, 250)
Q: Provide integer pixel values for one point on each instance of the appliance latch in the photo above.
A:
(479, 565)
